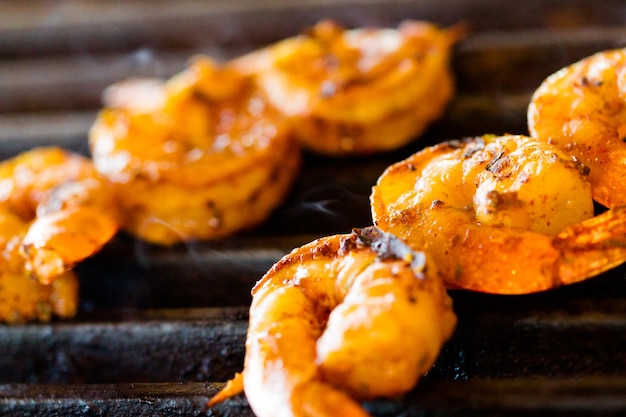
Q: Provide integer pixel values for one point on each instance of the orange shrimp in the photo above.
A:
(341, 319)
(56, 211)
(206, 158)
(582, 110)
(358, 91)
(505, 215)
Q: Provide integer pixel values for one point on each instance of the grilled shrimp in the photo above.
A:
(204, 158)
(506, 215)
(23, 298)
(358, 91)
(582, 110)
(55, 211)
(342, 319)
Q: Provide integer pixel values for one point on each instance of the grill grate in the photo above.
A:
(160, 330)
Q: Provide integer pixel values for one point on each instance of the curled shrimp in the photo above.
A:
(341, 319)
(582, 110)
(506, 214)
(198, 156)
(55, 211)
(358, 91)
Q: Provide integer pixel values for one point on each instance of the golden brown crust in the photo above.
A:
(23, 299)
(495, 213)
(358, 91)
(581, 108)
(213, 159)
(55, 212)
(343, 318)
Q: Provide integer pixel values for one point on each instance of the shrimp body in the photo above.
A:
(503, 214)
(23, 299)
(67, 208)
(205, 159)
(55, 211)
(582, 110)
(341, 319)
(358, 91)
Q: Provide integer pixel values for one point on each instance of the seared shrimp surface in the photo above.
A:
(341, 319)
(55, 211)
(582, 110)
(204, 158)
(358, 91)
(502, 215)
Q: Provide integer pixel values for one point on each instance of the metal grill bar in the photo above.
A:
(520, 397)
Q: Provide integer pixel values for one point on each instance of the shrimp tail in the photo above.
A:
(233, 387)
(55, 242)
(308, 397)
(592, 246)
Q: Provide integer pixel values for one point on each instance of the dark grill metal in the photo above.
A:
(160, 330)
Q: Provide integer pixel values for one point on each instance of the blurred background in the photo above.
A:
(56, 57)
